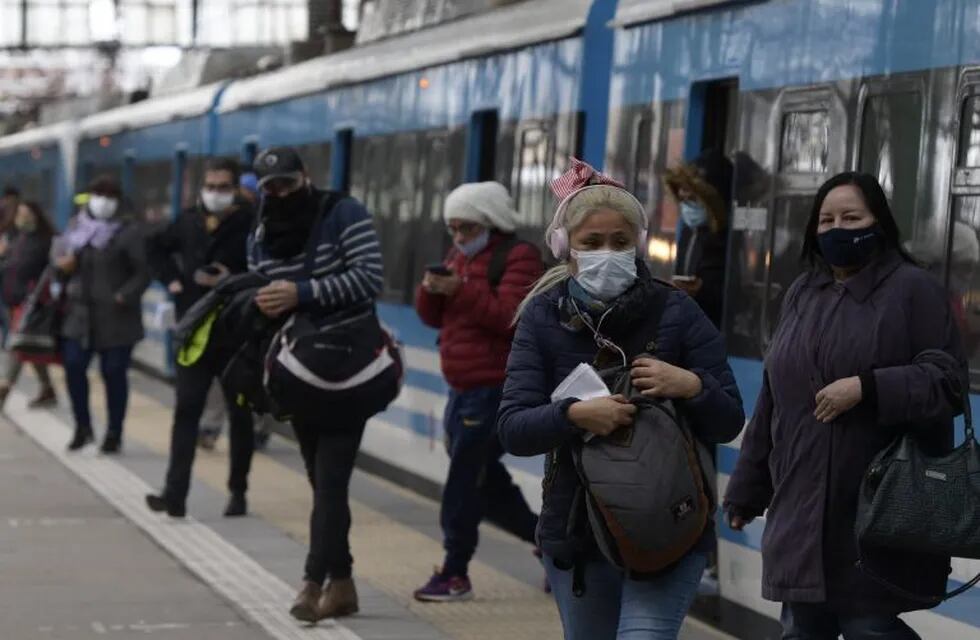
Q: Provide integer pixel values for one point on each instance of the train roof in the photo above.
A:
(156, 110)
(629, 12)
(37, 137)
(507, 28)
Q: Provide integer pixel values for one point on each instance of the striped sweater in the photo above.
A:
(347, 266)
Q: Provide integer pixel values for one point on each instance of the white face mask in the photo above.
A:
(216, 201)
(102, 208)
(605, 274)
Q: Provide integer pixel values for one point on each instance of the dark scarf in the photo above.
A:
(621, 318)
(287, 223)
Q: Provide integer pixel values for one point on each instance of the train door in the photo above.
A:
(712, 110)
(963, 238)
(810, 135)
(341, 160)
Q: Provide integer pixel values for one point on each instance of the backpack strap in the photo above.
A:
(328, 202)
(498, 259)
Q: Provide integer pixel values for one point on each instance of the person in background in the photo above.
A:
(343, 284)
(25, 254)
(205, 244)
(866, 349)
(601, 293)
(703, 191)
(474, 311)
(102, 262)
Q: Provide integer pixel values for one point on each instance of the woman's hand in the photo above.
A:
(837, 398)
(66, 264)
(658, 379)
(441, 285)
(277, 298)
(602, 416)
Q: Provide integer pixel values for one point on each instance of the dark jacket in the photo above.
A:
(808, 473)
(185, 245)
(476, 324)
(549, 343)
(25, 261)
(93, 314)
(701, 252)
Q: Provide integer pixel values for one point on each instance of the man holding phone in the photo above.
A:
(471, 298)
(205, 244)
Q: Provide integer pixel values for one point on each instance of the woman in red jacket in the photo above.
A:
(472, 300)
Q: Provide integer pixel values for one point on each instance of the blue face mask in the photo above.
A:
(605, 274)
(694, 215)
(474, 246)
(847, 248)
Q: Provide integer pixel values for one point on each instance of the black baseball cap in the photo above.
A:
(278, 162)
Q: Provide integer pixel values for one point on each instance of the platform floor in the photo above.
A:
(81, 556)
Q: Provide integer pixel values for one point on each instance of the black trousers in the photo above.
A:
(329, 449)
(193, 384)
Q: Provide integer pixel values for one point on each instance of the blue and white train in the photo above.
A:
(792, 90)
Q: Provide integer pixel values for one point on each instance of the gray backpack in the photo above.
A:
(648, 487)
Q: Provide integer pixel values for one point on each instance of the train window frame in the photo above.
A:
(871, 89)
(548, 127)
(643, 144)
(794, 184)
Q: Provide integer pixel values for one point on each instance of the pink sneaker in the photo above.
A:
(441, 588)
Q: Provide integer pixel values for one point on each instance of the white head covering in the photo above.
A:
(485, 203)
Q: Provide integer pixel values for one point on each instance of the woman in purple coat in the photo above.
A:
(866, 350)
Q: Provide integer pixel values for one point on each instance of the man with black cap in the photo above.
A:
(338, 283)
(193, 254)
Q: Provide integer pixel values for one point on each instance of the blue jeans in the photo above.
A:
(114, 366)
(805, 621)
(478, 484)
(614, 607)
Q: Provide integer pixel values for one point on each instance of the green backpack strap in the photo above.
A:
(194, 348)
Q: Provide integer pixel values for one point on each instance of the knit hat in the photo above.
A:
(485, 203)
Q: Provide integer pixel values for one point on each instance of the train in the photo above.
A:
(793, 91)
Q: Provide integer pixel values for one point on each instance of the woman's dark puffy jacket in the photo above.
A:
(549, 344)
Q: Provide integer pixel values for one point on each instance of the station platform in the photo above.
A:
(82, 557)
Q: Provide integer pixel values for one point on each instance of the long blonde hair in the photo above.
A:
(580, 207)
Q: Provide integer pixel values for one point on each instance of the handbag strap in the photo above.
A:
(967, 412)
(862, 565)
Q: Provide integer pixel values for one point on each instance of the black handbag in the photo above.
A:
(913, 502)
(39, 326)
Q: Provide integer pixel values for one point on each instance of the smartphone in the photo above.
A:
(683, 278)
(439, 270)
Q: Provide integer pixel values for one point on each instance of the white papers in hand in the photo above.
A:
(583, 383)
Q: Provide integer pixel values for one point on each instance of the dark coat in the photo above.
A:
(701, 252)
(807, 473)
(26, 259)
(548, 345)
(185, 245)
(93, 315)
(476, 324)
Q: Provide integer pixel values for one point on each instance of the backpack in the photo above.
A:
(498, 259)
(354, 359)
(647, 487)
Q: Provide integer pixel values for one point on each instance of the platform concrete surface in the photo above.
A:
(72, 567)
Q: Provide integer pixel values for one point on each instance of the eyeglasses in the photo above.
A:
(464, 228)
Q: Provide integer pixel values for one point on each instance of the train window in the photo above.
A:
(152, 189)
(391, 165)
(534, 172)
(891, 135)
(641, 185)
(805, 142)
(969, 155)
(964, 276)
(316, 157)
(433, 179)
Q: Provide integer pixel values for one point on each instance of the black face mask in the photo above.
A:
(287, 222)
(848, 248)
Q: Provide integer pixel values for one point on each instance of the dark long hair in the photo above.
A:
(44, 224)
(874, 199)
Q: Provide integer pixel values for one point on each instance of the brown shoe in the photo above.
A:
(44, 400)
(305, 606)
(339, 599)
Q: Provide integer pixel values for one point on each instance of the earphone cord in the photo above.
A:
(600, 340)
